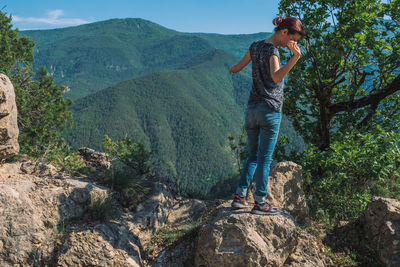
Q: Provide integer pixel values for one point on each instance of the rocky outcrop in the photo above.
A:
(380, 226)
(285, 190)
(238, 238)
(96, 163)
(44, 220)
(8, 119)
(308, 252)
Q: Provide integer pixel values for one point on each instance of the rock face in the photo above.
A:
(285, 190)
(308, 252)
(381, 229)
(8, 119)
(37, 215)
(239, 238)
(45, 220)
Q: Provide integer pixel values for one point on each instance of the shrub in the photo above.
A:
(341, 181)
(132, 170)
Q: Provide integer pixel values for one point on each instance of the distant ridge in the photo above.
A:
(91, 57)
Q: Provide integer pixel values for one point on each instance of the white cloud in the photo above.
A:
(53, 18)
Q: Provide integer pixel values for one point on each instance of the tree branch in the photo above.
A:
(371, 99)
(371, 112)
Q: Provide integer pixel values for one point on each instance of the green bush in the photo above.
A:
(59, 154)
(341, 181)
(238, 148)
(132, 170)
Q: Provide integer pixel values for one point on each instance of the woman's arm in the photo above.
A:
(242, 63)
(278, 74)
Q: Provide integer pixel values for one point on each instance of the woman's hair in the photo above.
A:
(292, 24)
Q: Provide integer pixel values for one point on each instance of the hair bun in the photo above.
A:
(278, 20)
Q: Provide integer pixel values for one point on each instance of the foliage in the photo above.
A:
(59, 154)
(42, 114)
(134, 155)
(42, 110)
(350, 63)
(340, 182)
(238, 148)
(132, 169)
(13, 49)
(344, 101)
(224, 188)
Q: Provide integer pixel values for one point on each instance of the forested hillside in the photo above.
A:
(170, 90)
(184, 115)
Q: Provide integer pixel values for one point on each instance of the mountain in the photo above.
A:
(169, 90)
(91, 57)
(184, 115)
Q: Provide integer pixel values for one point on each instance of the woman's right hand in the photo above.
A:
(233, 70)
(294, 48)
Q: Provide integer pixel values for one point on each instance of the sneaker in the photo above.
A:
(239, 203)
(264, 209)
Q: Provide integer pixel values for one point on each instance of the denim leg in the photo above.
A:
(269, 129)
(250, 164)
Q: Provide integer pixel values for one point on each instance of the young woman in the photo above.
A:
(264, 109)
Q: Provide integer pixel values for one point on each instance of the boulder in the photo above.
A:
(380, 224)
(164, 207)
(44, 221)
(239, 238)
(285, 190)
(96, 163)
(177, 255)
(106, 244)
(8, 119)
(38, 169)
(309, 252)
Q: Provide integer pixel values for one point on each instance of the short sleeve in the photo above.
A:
(274, 51)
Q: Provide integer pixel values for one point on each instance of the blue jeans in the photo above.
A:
(262, 127)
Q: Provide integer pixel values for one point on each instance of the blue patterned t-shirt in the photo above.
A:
(264, 89)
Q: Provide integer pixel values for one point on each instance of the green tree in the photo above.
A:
(350, 65)
(13, 49)
(42, 110)
(238, 148)
(344, 100)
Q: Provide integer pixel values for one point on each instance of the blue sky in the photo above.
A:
(211, 16)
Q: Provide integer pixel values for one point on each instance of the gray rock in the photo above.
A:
(179, 255)
(308, 252)
(96, 163)
(239, 238)
(106, 244)
(37, 227)
(8, 119)
(285, 190)
(38, 169)
(381, 229)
